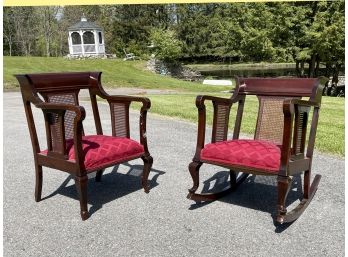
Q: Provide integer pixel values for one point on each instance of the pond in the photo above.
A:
(226, 73)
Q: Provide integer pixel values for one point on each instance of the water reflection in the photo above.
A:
(254, 72)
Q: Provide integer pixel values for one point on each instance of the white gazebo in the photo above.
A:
(86, 39)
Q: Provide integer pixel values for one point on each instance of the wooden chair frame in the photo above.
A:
(49, 84)
(294, 160)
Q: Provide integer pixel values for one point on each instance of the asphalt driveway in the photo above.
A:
(127, 222)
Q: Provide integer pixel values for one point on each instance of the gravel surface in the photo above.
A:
(127, 222)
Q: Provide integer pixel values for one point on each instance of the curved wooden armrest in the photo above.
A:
(201, 98)
(221, 107)
(123, 98)
(59, 150)
(289, 105)
(60, 108)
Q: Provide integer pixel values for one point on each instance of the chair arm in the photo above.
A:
(60, 110)
(146, 104)
(294, 133)
(289, 105)
(200, 103)
(122, 99)
(200, 99)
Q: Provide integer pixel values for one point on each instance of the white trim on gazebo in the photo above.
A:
(86, 39)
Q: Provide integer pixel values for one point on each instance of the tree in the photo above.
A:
(306, 32)
(48, 20)
(326, 37)
(321, 38)
(8, 29)
(26, 28)
(167, 46)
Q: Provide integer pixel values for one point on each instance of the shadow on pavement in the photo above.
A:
(256, 192)
(113, 185)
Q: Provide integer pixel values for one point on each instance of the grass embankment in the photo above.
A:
(117, 73)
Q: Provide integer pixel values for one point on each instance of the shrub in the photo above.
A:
(167, 46)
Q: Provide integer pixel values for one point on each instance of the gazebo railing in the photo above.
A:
(77, 49)
(87, 49)
(101, 49)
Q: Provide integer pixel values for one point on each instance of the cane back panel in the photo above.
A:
(270, 121)
(271, 94)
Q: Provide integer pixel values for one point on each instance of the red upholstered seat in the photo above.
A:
(101, 151)
(256, 154)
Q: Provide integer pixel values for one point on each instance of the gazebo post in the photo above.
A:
(96, 42)
(82, 43)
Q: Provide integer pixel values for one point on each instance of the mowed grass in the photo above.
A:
(330, 132)
(119, 73)
(116, 73)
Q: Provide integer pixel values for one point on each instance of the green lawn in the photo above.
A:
(118, 73)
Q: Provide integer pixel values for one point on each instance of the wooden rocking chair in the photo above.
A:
(69, 149)
(279, 143)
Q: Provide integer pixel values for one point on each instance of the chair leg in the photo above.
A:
(234, 181)
(309, 190)
(99, 175)
(284, 183)
(194, 172)
(81, 186)
(306, 184)
(148, 160)
(38, 182)
(233, 178)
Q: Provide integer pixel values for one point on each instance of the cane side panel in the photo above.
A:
(220, 126)
(68, 98)
(56, 136)
(300, 130)
(120, 119)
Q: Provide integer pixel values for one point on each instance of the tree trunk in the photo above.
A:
(9, 40)
(316, 72)
(48, 52)
(312, 66)
(298, 73)
(335, 74)
(328, 69)
(302, 71)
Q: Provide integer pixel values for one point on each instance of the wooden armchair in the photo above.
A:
(279, 147)
(68, 148)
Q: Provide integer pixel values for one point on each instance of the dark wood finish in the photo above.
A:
(294, 116)
(64, 119)
(98, 175)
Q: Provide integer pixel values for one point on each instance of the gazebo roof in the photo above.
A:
(84, 24)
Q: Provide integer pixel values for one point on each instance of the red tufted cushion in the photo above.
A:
(247, 153)
(101, 151)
